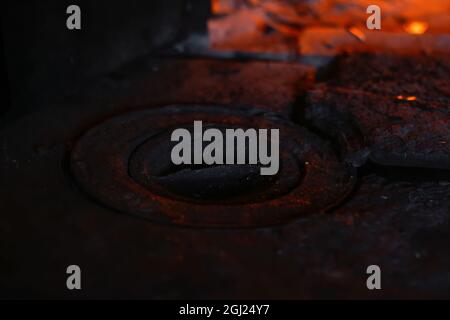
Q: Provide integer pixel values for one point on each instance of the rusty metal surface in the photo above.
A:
(392, 109)
(423, 75)
(311, 178)
(149, 82)
(397, 218)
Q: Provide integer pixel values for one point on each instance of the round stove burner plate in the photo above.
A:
(110, 163)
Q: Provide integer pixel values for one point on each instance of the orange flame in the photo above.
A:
(409, 98)
(416, 27)
(357, 33)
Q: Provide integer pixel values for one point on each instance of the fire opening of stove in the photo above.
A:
(293, 29)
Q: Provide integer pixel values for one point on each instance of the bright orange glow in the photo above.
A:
(409, 98)
(357, 33)
(416, 27)
(326, 27)
(221, 7)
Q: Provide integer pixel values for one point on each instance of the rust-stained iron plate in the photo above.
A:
(390, 109)
(395, 132)
(123, 163)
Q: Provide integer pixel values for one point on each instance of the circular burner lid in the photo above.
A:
(125, 163)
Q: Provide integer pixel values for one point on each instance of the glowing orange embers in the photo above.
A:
(407, 98)
(357, 33)
(290, 28)
(416, 27)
